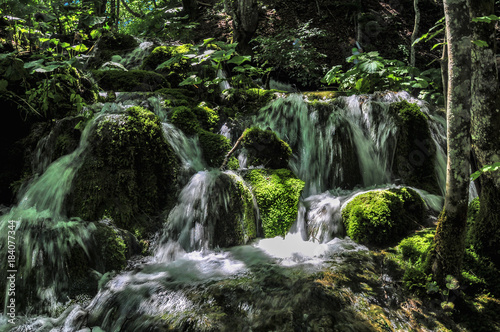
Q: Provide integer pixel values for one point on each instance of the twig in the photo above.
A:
(226, 159)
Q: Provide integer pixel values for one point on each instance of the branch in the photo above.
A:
(226, 159)
(130, 10)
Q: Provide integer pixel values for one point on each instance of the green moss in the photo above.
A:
(415, 152)
(129, 172)
(277, 193)
(177, 97)
(207, 116)
(132, 80)
(383, 216)
(183, 118)
(214, 147)
(265, 148)
(175, 72)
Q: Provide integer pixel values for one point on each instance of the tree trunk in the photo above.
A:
(414, 35)
(485, 114)
(444, 71)
(449, 240)
(245, 21)
(190, 8)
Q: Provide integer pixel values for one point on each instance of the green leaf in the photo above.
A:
(3, 85)
(486, 19)
(191, 80)
(371, 66)
(480, 43)
(239, 59)
(80, 48)
(95, 34)
(207, 41)
(420, 83)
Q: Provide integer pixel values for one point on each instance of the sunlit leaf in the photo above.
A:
(480, 43)
(239, 59)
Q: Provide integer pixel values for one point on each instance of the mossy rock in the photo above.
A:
(108, 250)
(132, 80)
(277, 193)
(207, 116)
(247, 101)
(177, 97)
(111, 44)
(184, 118)
(382, 217)
(414, 159)
(175, 72)
(129, 172)
(264, 147)
(214, 147)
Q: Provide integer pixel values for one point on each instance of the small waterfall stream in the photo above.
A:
(341, 149)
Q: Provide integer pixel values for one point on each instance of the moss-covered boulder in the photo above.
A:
(129, 171)
(265, 148)
(111, 44)
(214, 147)
(132, 80)
(382, 217)
(414, 159)
(185, 119)
(177, 71)
(277, 193)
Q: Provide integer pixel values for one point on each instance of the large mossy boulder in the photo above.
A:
(132, 80)
(414, 159)
(277, 193)
(130, 171)
(264, 147)
(382, 217)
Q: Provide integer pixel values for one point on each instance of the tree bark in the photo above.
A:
(245, 16)
(444, 71)
(485, 114)
(414, 35)
(449, 240)
(190, 8)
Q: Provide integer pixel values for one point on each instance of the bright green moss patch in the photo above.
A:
(130, 171)
(382, 217)
(208, 117)
(132, 80)
(177, 71)
(277, 193)
(415, 152)
(265, 148)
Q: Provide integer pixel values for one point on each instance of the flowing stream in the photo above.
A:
(341, 148)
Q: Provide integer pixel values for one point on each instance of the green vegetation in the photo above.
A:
(382, 217)
(277, 193)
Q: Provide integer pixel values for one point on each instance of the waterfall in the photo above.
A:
(204, 273)
(43, 235)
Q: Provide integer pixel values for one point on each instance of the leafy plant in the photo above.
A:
(372, 72)
(488, 168)
(291, 50)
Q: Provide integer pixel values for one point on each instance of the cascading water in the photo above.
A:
(342, 149)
